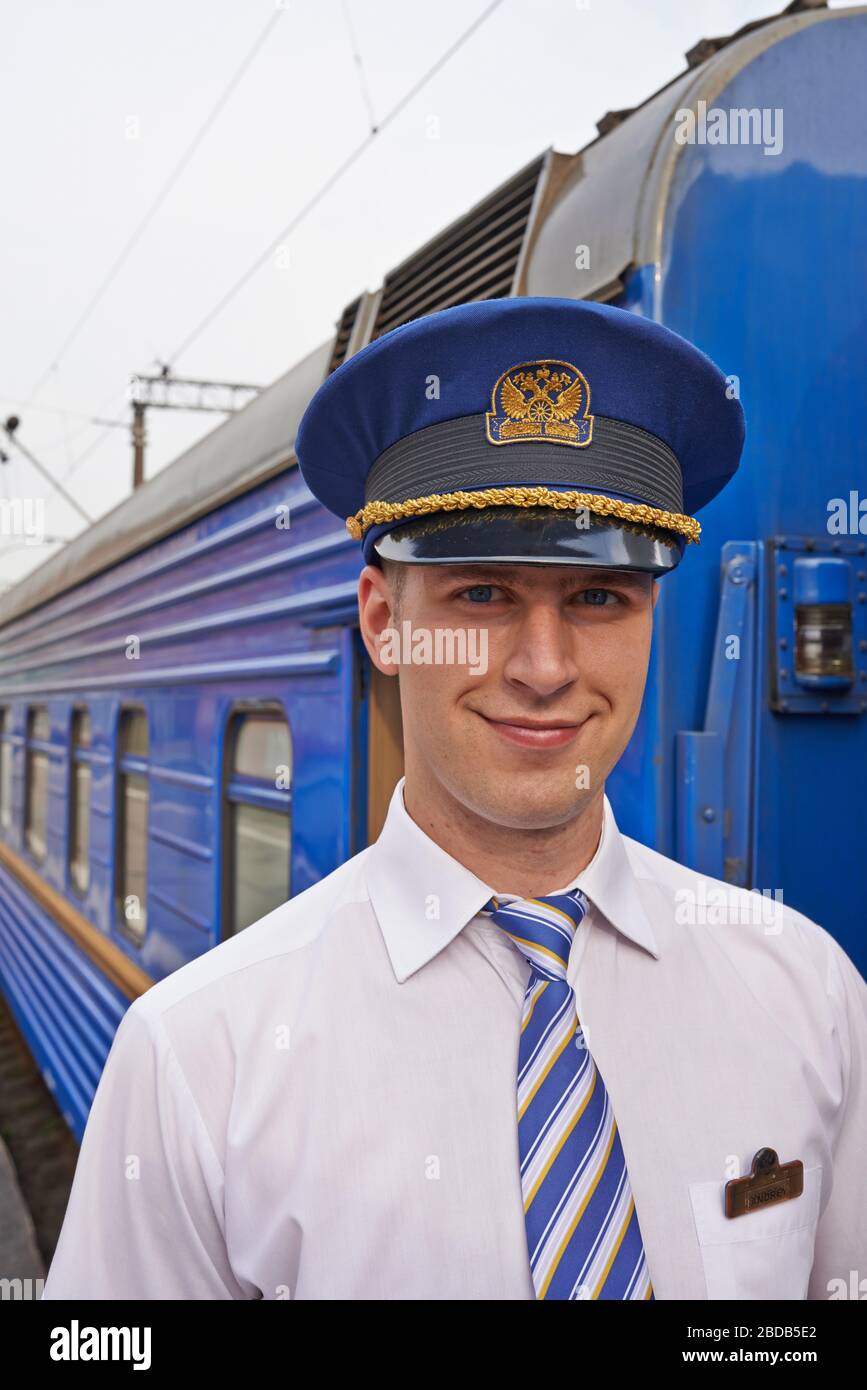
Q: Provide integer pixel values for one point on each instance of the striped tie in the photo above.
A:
(583, 1236)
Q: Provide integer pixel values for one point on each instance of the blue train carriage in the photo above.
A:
(156, 672)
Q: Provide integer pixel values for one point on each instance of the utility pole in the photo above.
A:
(138, 444)
(165, 392)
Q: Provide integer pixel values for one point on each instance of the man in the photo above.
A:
(502, 1053)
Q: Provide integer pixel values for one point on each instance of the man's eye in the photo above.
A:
(598, 597)
(478, 593)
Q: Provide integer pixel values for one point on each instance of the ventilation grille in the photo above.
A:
(474, 258)
(344, 333)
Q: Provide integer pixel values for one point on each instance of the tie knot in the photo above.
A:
(542, 928)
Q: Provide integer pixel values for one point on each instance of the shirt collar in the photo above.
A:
(423, 897)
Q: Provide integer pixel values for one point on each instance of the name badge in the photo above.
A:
(769, 1182)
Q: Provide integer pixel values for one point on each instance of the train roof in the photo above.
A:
(512, 242)
(616, 189)
(249, 447)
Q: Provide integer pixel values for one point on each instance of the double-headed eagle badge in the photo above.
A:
(541, 400)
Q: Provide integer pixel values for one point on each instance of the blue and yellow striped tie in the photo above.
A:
(583, 1236)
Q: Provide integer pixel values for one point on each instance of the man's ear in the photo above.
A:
(654, 591)
(376, 618)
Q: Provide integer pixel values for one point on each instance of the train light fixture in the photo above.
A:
(818, 655)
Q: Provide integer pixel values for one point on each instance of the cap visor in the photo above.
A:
(529, 535)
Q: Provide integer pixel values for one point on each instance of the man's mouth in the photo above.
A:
(534, 733)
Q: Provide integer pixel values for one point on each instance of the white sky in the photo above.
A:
(99, 101)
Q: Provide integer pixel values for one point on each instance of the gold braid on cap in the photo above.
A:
(374, 513)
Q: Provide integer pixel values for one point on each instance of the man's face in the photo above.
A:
(529, 742)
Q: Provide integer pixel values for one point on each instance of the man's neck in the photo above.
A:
(530, 863)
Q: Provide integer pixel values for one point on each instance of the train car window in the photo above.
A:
(258, 817)
(5, 769)
(36, 782)
(132, 824)
(79, 801)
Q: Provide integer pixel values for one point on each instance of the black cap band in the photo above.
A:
(456, 454)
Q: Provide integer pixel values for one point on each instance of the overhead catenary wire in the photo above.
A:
(90, 418)
(91, 447)
(333, 179)
(43, 471)
(356, 54)
(136, 236)
(325, 188)
(157, 203)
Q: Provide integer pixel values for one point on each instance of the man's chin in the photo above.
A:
(531, 801)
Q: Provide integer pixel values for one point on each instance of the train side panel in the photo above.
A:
(251, 608)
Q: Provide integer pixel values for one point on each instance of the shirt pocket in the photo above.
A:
(763, 1254)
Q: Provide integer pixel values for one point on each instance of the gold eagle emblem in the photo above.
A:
(546, 400)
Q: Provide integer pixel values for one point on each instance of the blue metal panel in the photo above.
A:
(641, 786)
(763, 267)
(700, 773)
(714, 771)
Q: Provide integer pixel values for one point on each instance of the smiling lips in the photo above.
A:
(535, 733)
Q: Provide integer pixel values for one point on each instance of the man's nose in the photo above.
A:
(542, 654)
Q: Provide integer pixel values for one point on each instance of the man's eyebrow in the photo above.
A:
(496, 574)
(616, 576)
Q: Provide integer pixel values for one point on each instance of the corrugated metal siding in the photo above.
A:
(344, 333)
(234, 607)
(475, 258)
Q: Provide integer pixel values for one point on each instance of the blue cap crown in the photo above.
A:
(547, 404)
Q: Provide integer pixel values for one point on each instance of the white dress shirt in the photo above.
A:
(324, 1107)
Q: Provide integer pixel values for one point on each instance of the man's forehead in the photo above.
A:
(527, 575)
